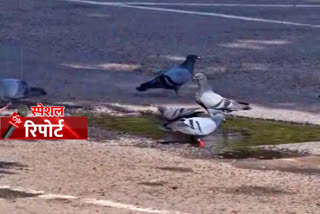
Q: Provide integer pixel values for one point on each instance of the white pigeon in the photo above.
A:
(173, 78)
(14, 89)
(211, 100)
(197, 126)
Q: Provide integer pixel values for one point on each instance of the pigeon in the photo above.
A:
(210, 100)
(173, 78)
(197, 126)
(172, 113)
(14, 89)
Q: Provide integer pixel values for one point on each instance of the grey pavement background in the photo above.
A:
(98, 53)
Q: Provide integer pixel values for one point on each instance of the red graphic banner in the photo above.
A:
(48, 128)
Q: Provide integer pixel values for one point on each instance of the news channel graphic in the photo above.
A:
(46, 123)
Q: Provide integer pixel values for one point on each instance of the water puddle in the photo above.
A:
(236, 138)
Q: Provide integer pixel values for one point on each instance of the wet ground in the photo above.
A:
(237, 138)
(98, 53)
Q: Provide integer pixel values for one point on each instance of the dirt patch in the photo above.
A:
(176, 169)
(303, 165)
(152, 183)
(10, 194)
(148, 177)
(7, 167)
(256, 190)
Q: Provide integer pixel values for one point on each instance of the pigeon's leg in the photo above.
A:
(201, 143)
(177, 91)
(5, 107)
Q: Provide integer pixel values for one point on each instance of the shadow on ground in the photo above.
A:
(5, 167)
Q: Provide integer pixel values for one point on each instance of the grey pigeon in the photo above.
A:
(173, 78)
(14, 89)
(172, 113)
(197, 126)
(210, 100)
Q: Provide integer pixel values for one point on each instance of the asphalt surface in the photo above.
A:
(89, 52)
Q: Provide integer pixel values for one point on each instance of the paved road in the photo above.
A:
(81, 51)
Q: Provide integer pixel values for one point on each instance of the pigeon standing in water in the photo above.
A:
(14, 89)
(210, 100)
(174, 78)
(197, 126)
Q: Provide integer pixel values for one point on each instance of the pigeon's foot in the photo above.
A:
(5, 107)
(201, 143)
(179, 95)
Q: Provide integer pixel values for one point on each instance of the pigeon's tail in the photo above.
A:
(35, 92)
(158, 82)
(245, 106)
(236, 105)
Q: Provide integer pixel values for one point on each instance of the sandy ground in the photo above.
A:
(157, 179)
(95, 55)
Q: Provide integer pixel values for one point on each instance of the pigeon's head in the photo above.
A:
(193, 57)
(217, 115)
(219, 118)
(199, 77)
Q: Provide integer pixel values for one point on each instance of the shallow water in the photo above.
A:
(234, 139)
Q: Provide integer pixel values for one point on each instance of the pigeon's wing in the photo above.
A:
(178, 75)
(172, 79)
(197, 126)
(189, 112)
(201, 125)
(232, 105)
(198, 100)
(13, 88)
(209, 99)
(172, 113)
(161, 81)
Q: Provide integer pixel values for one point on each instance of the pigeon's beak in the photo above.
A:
(199, 58)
